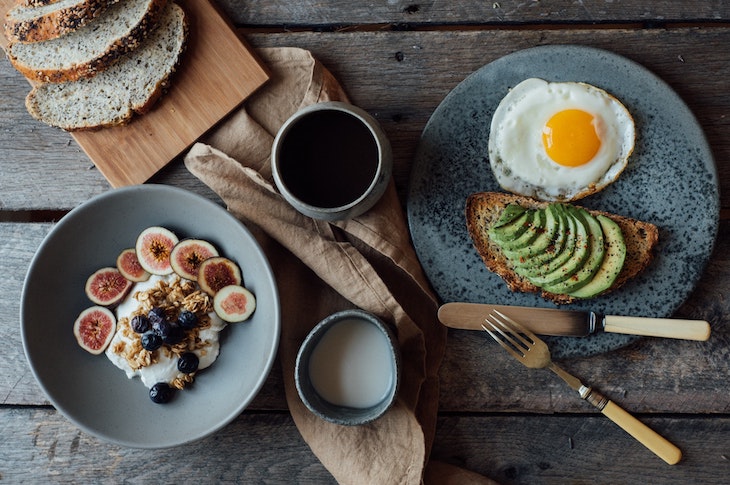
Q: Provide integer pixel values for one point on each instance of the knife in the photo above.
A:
(550, 321)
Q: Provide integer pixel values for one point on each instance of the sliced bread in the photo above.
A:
(35, 3)
(90, 49)
(114, 95)
(39, 20)
(484, 209)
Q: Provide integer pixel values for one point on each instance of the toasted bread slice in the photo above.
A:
(484, 208)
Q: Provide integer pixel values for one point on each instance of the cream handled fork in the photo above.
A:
(527, 348)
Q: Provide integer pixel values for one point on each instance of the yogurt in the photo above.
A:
(165, 367)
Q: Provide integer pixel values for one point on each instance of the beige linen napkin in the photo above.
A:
(321, 268)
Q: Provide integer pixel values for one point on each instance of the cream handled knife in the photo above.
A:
(550, 321)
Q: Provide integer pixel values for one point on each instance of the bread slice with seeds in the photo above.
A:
(35, 3)
(113, 96)
(90, 49)
(40, 20)
(483, 209)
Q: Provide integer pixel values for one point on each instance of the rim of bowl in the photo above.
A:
(350, 416)
(376, 131)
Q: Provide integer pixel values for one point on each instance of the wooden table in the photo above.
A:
(398, 60)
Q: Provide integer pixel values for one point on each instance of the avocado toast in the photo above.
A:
(563, 251)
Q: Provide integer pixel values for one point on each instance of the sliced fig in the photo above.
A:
(128, 265)
(215, 273)
(234, 303)
(94, 329)
(188, 255)
(153, 247)
(107, 286)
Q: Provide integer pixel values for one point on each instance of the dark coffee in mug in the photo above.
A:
(329, 158)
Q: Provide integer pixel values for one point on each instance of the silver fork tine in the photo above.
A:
(521, 346)
(516, 325)
(512, 334)
(501, 342)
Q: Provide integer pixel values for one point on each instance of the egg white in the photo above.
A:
(516, 152)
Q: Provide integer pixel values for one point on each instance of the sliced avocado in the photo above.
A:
(547, 244)
(535, 227)
(532, 266)
(613, 262)
(509, 214)
(513, 229)
(545, 237)
(596, 254)
(580, 250)
(565, 253)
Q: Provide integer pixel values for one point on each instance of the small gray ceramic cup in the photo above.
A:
(331, 161)
(326, 341)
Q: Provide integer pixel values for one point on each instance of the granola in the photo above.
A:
(172, 296)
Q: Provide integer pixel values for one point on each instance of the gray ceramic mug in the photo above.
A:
(331, 161)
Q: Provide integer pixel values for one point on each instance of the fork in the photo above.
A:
(527, 348)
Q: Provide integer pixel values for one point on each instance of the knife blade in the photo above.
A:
(551, 321)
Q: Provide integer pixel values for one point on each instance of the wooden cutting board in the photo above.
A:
(218, 72)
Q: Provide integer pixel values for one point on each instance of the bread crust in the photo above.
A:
(52, 24)
(115, 50)
(484, 208)
(35, 3)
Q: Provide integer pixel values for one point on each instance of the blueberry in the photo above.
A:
(187, 363)
(187, 319)
(161, 328)
(161, 392)
(151, 341)
(156, 315)
(175, 335)
(140, 324)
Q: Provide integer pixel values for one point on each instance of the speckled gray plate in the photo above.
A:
(671, 181)
(88, 389)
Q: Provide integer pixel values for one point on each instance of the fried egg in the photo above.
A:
(559, 141)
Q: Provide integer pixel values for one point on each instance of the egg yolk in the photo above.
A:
(570, 138)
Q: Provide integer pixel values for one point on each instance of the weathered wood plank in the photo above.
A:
(652, 375)
(328, 12)
(400, 77)
(18, 243)
(581, 449)
(41, 446)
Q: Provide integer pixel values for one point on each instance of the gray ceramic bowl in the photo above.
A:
(88, 389)
(374, 189)
(340, 414)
